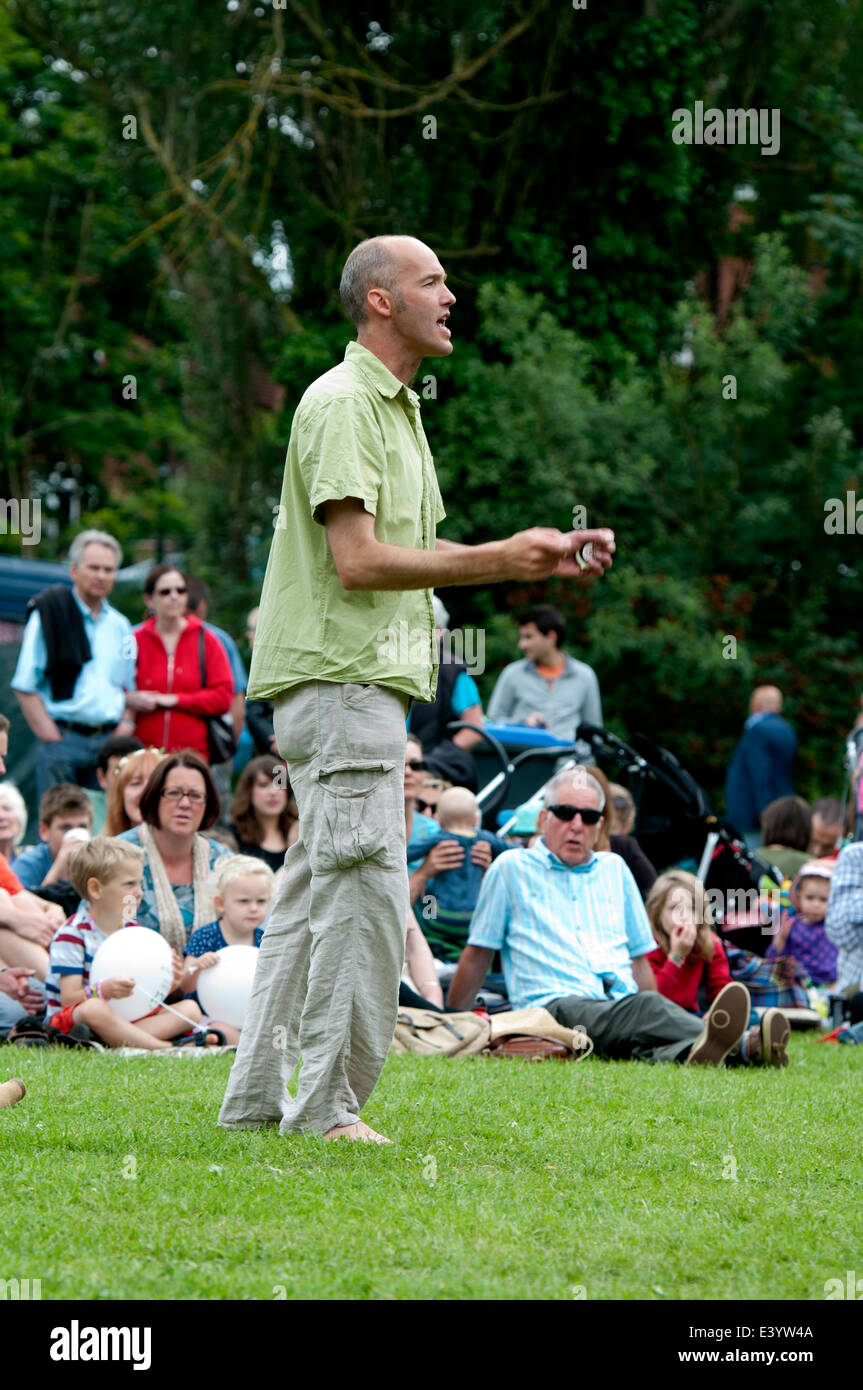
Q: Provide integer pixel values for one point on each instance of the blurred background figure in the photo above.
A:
(760, 767)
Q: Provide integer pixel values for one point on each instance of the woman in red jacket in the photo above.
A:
(689, 954)
(183, 671)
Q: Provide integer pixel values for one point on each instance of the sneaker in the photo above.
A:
(724, 1025)
(774, 1031)
(765, 1043)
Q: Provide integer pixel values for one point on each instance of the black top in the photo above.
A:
(636, 861)
(274, 857)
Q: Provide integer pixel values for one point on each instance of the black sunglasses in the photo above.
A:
(416, 765)
(424, 806)
(588, 814)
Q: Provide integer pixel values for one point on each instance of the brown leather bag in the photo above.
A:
(535, 1035)
(531, 1049)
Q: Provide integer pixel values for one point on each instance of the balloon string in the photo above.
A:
(196, 1027)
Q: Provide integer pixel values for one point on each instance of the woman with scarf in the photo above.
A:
(177, 804)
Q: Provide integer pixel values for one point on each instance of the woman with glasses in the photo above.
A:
(178, 803)
(183, 674)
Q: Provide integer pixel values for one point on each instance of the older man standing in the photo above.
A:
(76, 663)
(574, 937)
(344, 643)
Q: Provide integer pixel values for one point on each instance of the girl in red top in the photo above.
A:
(176, 688)
(689, 954)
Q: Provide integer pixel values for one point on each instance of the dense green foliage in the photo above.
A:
(182, 183)
(584, 1181)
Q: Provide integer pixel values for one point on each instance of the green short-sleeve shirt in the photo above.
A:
(356, 433)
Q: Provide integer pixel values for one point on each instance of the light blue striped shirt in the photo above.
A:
(98, 697)
(562, 930)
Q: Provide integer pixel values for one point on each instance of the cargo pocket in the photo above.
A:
(353, 821)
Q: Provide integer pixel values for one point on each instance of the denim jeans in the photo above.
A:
(73, 759)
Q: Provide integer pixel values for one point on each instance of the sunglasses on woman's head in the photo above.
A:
(589, 814)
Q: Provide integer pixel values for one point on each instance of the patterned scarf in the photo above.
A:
(167, 908)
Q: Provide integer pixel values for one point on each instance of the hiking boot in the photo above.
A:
(724, 1025)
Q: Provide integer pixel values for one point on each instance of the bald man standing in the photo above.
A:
(760, 768)
(345, 641)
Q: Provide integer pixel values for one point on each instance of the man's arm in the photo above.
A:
(642, 973)
(40, 721)
(467, 981)
(364, 562)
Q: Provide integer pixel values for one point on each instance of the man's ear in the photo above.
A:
(43, 830)
(542, 819)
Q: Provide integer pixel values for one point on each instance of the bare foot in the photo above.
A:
(358, 1130)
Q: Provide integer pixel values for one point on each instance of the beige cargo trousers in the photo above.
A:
(326, 986)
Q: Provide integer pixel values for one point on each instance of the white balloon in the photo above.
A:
(139, 954)
(225, 989)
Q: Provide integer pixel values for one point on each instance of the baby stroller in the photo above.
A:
(675, 822)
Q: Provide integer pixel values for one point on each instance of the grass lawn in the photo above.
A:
(599, 1180)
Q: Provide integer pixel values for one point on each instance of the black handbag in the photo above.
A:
(220, 729)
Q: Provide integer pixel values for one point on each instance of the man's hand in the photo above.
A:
(480, 853)
(601, 555)
(16, 983)
(542, 551)
(534, 721)
(447, 854)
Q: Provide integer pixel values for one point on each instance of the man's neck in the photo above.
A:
(396, 357)
(94, 604)
(552, 662)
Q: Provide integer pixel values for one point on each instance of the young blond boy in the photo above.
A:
(107, 874)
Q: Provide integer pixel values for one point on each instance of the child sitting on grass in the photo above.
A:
(802, 933)
(454, 891)
(107, 875)
(242, 888)
(688, 953)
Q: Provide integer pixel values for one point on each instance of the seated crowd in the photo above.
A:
(564, 911)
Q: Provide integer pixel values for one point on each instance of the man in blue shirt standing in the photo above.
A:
(574, 938)
(760, 768)
(76, 664)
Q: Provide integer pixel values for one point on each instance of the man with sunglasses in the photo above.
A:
(344, 643)
(574, 937)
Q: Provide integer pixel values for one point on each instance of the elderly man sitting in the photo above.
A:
(574, 937)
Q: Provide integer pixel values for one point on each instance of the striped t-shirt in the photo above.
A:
(72, 950)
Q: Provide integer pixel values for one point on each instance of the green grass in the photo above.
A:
(599, 1176)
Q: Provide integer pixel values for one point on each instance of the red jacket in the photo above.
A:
(680, 983)
(182, 726)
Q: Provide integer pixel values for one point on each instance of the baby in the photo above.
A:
(446, 908)
(802, 933)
